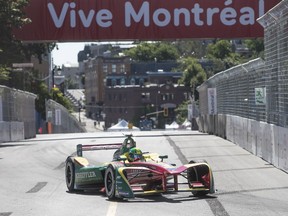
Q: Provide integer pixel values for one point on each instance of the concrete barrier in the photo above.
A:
(229, 128)
(4, 131)
(267, 141)
(11, 131)
(16, 131)
(283, 148)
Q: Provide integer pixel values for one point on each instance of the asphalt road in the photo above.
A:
(32, 178)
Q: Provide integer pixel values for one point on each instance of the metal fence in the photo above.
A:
(18, 106)
(236, 89)
(240, 88)
(250, 101)
(60, 120)
(275, 24)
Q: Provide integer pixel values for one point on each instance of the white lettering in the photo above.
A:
(58, 21)
(130, 12)
(261, 8)
(103, 17)
(86, 20)
(228, 16)
(161, 16)
(72, 15)
(197, 11)
(247, 17)
(165, 21)
(186, 14)
(210, 13)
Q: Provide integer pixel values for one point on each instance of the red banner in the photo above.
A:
(88, 20)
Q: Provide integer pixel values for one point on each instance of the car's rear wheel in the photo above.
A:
(70, 174)
(110, 182)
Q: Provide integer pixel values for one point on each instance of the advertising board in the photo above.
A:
(78, 20)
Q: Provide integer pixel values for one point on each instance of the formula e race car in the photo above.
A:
(132, 172)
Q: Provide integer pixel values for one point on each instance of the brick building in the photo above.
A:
(116, 88)
(96, 71)
(133, 102)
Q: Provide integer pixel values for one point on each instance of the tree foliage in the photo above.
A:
(193, 74)
(191, 48)
(182, 112)
(153, 51)
(256, 46)
(220, 53)
(11, 49)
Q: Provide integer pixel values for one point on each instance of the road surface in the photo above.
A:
(32, 178)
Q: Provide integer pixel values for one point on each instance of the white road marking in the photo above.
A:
(112, 209)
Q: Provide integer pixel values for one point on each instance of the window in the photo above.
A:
(122, 68)
(114, 82)
(145, 95)
(132, 81)
(114, 68)
(122, 82)
(105, 68)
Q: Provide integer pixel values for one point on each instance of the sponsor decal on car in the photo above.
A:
(86, 175)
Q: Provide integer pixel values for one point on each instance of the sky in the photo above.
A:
(67, 53)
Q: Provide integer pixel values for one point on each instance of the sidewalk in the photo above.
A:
(90, 124)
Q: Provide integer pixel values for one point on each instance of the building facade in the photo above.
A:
(135, 102)
(96, 72)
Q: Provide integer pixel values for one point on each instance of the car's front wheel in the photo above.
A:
(110, 182)
(70, 174)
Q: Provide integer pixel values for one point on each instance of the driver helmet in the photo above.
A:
(135, 154)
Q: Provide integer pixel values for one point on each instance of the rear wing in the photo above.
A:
(94, 147)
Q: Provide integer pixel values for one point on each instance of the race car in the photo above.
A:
(133, 172)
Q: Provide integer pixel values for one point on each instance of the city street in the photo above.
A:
(33, 182)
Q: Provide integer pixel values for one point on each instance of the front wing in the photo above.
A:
(131, 180)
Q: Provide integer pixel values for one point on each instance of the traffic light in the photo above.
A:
(166, 112)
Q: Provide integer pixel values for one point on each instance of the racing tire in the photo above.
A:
(199, 193)
(70, 174)
(191, 177)
(198, 161)
(110, 182)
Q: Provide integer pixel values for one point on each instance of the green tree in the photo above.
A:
(191, 48)
(256, 46)
(221, 49)
(151, 51)
(11, 16)
(58, 96)
(193, 74)
(221, 55)
(42, 92)
(182, 112)
(11, 49)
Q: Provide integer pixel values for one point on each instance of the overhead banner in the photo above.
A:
(87, 20)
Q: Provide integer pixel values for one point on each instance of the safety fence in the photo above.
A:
(17, 114)
(248, 104)
(60, 120)
(236, 104)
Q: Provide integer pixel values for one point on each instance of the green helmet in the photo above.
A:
(135, 154)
